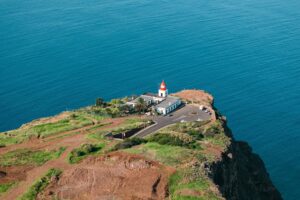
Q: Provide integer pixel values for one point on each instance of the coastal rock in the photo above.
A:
(242, 176)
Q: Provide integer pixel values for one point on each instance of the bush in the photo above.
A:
(100, 102)
(214, 129)
(166, 139)
(40, 185)
(128, 143)
(4, 187)
(79, 153)
(196, 134)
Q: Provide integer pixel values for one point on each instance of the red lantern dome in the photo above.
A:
(163, 86)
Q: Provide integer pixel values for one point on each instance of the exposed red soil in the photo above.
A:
(113, 176)
(53, 141)
(28, 174)
(190, 192)
(214, 150)
(15, 173)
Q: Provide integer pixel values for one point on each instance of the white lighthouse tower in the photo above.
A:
(163, 91)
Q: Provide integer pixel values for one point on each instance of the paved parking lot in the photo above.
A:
(187, 113)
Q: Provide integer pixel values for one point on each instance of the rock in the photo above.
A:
(2, 174)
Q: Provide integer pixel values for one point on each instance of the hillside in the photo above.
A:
(72, 156)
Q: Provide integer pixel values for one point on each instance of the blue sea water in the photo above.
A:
(58, 55)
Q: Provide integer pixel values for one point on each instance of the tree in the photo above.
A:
(125, 109)
(100, 102)
(141, 105)
(116, 101)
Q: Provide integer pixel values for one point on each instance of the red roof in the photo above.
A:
(163, 86)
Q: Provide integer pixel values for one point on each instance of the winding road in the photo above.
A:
(187, 113)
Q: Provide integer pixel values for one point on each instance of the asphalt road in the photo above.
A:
(187, 113)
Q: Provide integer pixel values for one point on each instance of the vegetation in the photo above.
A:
(103, 112)
(40, 185)
(100, 102)
(197, 184)
(215, 134)
(129, 142)
(74, 121)
(4, 187)
(178, 146)
(141, 105)
(168, 139)
(84, 150)
(169, 155)
(127, 125)
(29, 157)
(215, 128)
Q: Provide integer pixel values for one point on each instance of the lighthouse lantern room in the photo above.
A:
(163, 91)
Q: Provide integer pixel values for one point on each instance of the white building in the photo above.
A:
(163, 103)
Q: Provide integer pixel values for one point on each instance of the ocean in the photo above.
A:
(60, 55)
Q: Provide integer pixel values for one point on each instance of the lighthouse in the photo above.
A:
(163, 91)
(162, 103)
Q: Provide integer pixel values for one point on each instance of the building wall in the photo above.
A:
(168, 109)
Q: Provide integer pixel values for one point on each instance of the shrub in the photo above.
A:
(4, 187)
(166, 139)
(130, 142)
(100, 102)
(196, 134)
(215, 128)
(40, 185)
(79, 153)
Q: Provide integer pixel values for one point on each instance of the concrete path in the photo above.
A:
(187, 113)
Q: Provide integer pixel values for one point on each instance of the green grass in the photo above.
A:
(76, 155)
(99, 126)
(44, 130)
(174, 140)
(172, 146)
(130, 124)
(4, 187)
(220, 140)
(186, 180)
(47, 129)
(127, 125)
(99, 113)
(29, 157)
(169, 155)
(98, 136)
(9, 140)
(40, 185)
(129, 142)
(61, 136)
(215, 134)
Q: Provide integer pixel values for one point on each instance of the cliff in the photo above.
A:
(239, 173)
(69, 157)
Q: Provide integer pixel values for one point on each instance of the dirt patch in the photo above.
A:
(214, 150)
(190, 192)
(14, 173)
(113, 176)
(196, 96)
